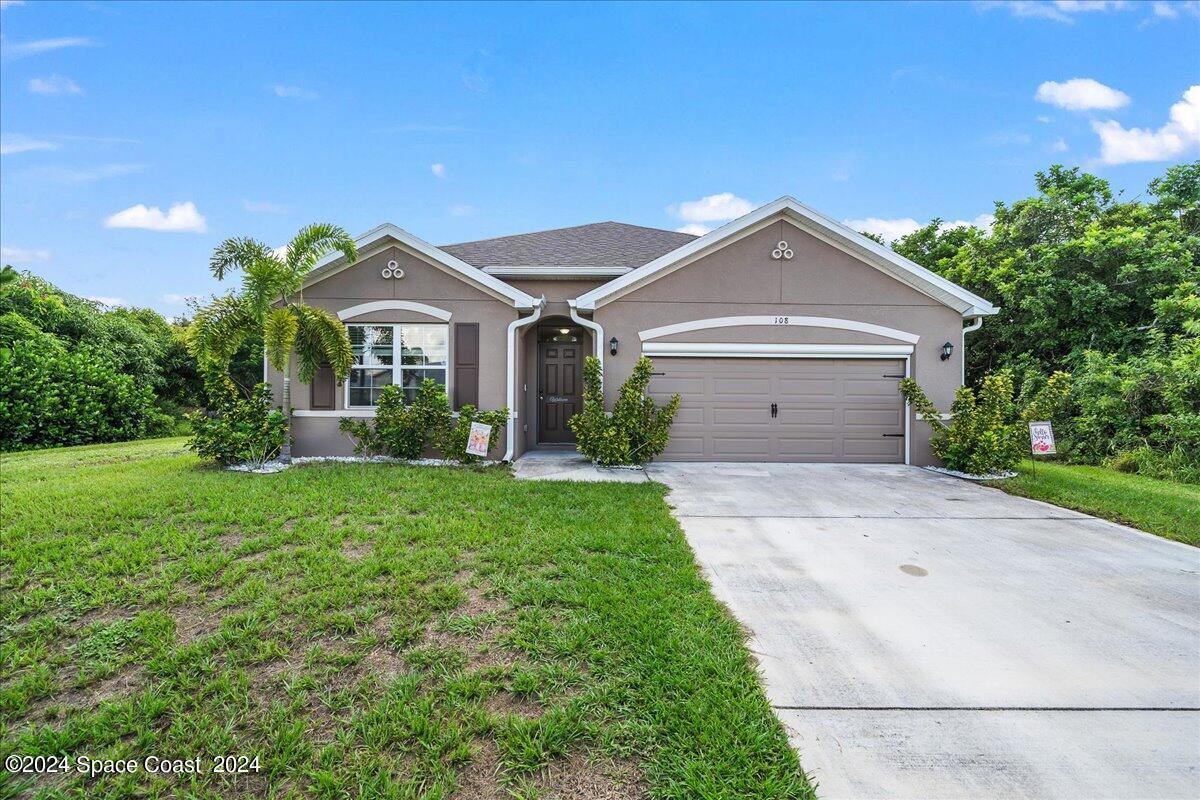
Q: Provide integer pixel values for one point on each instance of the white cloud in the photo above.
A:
(171, 298)
(16, 143)
(1080, 94)
(889, 229)
(1083, 6)
(179, 218)
(1059, 11)
(10, 3)
(1120, 145)
(1004, 138)
(438, 170)
(462, 210)
(1059, 146)
(263, 207)
(23, 255)
(694, 228)
(75, 175)
(1042, 118)
(54, 84)
(893, 229)
(38, 46)
(713, 208)
(1167, 10)
(293, 92)
(106, 301)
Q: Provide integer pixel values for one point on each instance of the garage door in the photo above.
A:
(846, 410)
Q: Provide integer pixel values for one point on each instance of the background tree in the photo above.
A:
(271, 302)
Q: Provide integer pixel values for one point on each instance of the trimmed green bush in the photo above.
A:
(406, 430)
(637, 430)
(987, 432)
(240, 431)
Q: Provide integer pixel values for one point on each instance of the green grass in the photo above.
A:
(367, 631)
(1169, 509)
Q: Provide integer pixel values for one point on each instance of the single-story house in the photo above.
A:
(784, 331)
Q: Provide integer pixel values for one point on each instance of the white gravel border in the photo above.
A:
(992, 476)
(271, 467)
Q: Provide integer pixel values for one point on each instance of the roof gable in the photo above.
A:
(613, 246)
(387, 234)
(813, 222)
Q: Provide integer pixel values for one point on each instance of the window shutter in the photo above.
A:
(466, 364)
(322, 389)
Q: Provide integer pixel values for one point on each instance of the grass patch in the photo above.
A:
(367, 631)
(1165, 508)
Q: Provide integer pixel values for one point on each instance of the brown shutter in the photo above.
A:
(466, 364)
(322, 389)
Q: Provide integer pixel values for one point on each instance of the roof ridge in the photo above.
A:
(565, 228)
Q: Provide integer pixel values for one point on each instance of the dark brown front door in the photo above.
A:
(560, 389)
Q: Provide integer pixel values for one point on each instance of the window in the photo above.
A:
(424, 353)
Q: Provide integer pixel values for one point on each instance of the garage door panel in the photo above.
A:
(828, 409)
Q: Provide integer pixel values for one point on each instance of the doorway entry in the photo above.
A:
(560, 353)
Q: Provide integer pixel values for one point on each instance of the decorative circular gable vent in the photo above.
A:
(392, 270)
(782, 251)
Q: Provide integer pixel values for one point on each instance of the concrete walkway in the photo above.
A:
(568, 465)
(923, 637)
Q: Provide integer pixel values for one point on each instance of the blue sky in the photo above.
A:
(136, 137)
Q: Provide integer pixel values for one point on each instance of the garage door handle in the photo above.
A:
(774, 410)
(893, 436)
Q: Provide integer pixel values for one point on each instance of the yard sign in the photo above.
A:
(477, 442)
(1041, 438)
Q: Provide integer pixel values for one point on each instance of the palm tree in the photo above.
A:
(271, 300)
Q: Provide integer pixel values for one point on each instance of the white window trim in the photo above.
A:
(393, 305)
(776, 320)
(396, 365)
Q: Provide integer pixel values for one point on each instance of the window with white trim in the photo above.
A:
(424, 352)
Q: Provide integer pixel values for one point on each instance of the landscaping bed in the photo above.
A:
(367, 630)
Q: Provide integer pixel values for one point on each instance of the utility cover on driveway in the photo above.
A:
(923, 637)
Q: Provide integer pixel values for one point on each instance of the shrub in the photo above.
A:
(452, 433)
(240, 431)
(405, 430)
(50, 396)
(636, 431)
(987, 430)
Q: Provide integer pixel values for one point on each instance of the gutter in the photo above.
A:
(520, 322)
(595, 327)
(974, 326)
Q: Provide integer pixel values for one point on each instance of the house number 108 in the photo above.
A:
(781, 320)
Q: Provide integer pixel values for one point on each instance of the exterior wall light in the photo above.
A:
(947, 350)
(612, 346)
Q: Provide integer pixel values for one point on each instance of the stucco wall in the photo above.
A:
(423, 283)
(819, 281)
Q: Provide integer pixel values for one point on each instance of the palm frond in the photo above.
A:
(236, 253)
(279, 335)
(321, 338)
(313, 242)
(214, 337)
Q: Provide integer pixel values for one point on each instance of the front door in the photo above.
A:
(560, 385)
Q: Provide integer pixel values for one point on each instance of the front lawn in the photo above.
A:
(367, 631)
(1168, 509)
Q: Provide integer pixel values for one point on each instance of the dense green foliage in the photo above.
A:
(636, 431)
(240, 430)
(407, 430)
(1098, 287)
(367, 632)
(74, 371)
(987, 432)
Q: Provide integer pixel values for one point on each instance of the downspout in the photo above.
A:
(595, 327)
(520, 322)
(974, 326)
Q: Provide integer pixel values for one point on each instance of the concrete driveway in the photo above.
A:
(922, 637)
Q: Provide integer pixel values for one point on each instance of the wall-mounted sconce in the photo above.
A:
(947, 351)
(612, 346)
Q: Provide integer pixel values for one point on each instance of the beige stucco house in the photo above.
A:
(785, 332)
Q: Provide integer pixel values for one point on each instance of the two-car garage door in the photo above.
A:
(846, 410)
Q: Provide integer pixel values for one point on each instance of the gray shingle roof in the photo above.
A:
(600, 244)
